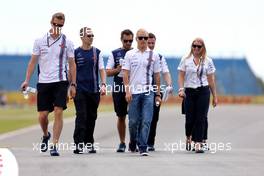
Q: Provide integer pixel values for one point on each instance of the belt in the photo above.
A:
(198, 88)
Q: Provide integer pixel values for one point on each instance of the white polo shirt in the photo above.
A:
(193, 76)
(48, 50)
(141, 69)
(111, 62)
(163, 65)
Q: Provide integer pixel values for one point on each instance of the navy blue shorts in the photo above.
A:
(120, 103)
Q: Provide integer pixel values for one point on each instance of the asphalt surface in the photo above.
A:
(235, 137)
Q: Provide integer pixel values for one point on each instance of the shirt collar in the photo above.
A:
(147, 50)
(50, 38)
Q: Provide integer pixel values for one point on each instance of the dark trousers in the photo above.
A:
(205, 129)
(154, 122)
(196, 106)
(86, 105)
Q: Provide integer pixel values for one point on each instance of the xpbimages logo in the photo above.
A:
(212, 147)
(68, 146)
(138, 88)
(8, 163)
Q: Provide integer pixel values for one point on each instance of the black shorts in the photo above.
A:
(120, 103)
(52, 94)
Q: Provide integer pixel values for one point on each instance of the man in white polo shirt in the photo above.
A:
(53, 52)
(139, 66)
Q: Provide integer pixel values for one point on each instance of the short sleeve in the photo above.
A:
(211, 68)
(36, 48)
(164, 65)
(101, 61)
(126, 62)
(182, 66)
(156, 63)
(70, 49)
(110, 63)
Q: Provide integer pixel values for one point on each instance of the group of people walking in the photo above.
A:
(136, 89)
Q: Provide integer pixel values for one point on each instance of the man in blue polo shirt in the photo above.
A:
(90, 65)
(113, 68)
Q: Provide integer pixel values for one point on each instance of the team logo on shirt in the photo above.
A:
(43, 50)
(79, 55)
(119, 54)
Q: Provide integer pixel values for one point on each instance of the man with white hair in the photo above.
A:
(139, 66)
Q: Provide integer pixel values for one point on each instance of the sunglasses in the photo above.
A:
(141, 38)
(151, 43)
(197, 46)
(59, 17)
(57, 25)
(128, 41)
(90, 36)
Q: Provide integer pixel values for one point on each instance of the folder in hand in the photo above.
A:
(166, 94)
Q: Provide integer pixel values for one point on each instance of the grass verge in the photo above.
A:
(13, 118)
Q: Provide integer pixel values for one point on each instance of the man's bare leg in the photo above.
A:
(44, 121)
(121, 127)
(58, 124)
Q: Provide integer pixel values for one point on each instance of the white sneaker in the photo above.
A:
(144, 154)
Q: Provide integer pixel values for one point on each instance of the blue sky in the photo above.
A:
(229, 27)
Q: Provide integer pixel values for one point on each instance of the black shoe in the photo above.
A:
(151, 148)
(78, 151)
(199, 151)
(144, 153)
(44, 143)
(54, 151)
(92, 150)
(121, 148)
(198, 148)
(132, 147)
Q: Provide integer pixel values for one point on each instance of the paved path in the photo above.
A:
(237, 130)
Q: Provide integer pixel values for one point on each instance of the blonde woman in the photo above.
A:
(196, 80)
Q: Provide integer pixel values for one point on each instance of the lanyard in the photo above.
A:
(148, 66)
(199, 75)
(94, 68)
